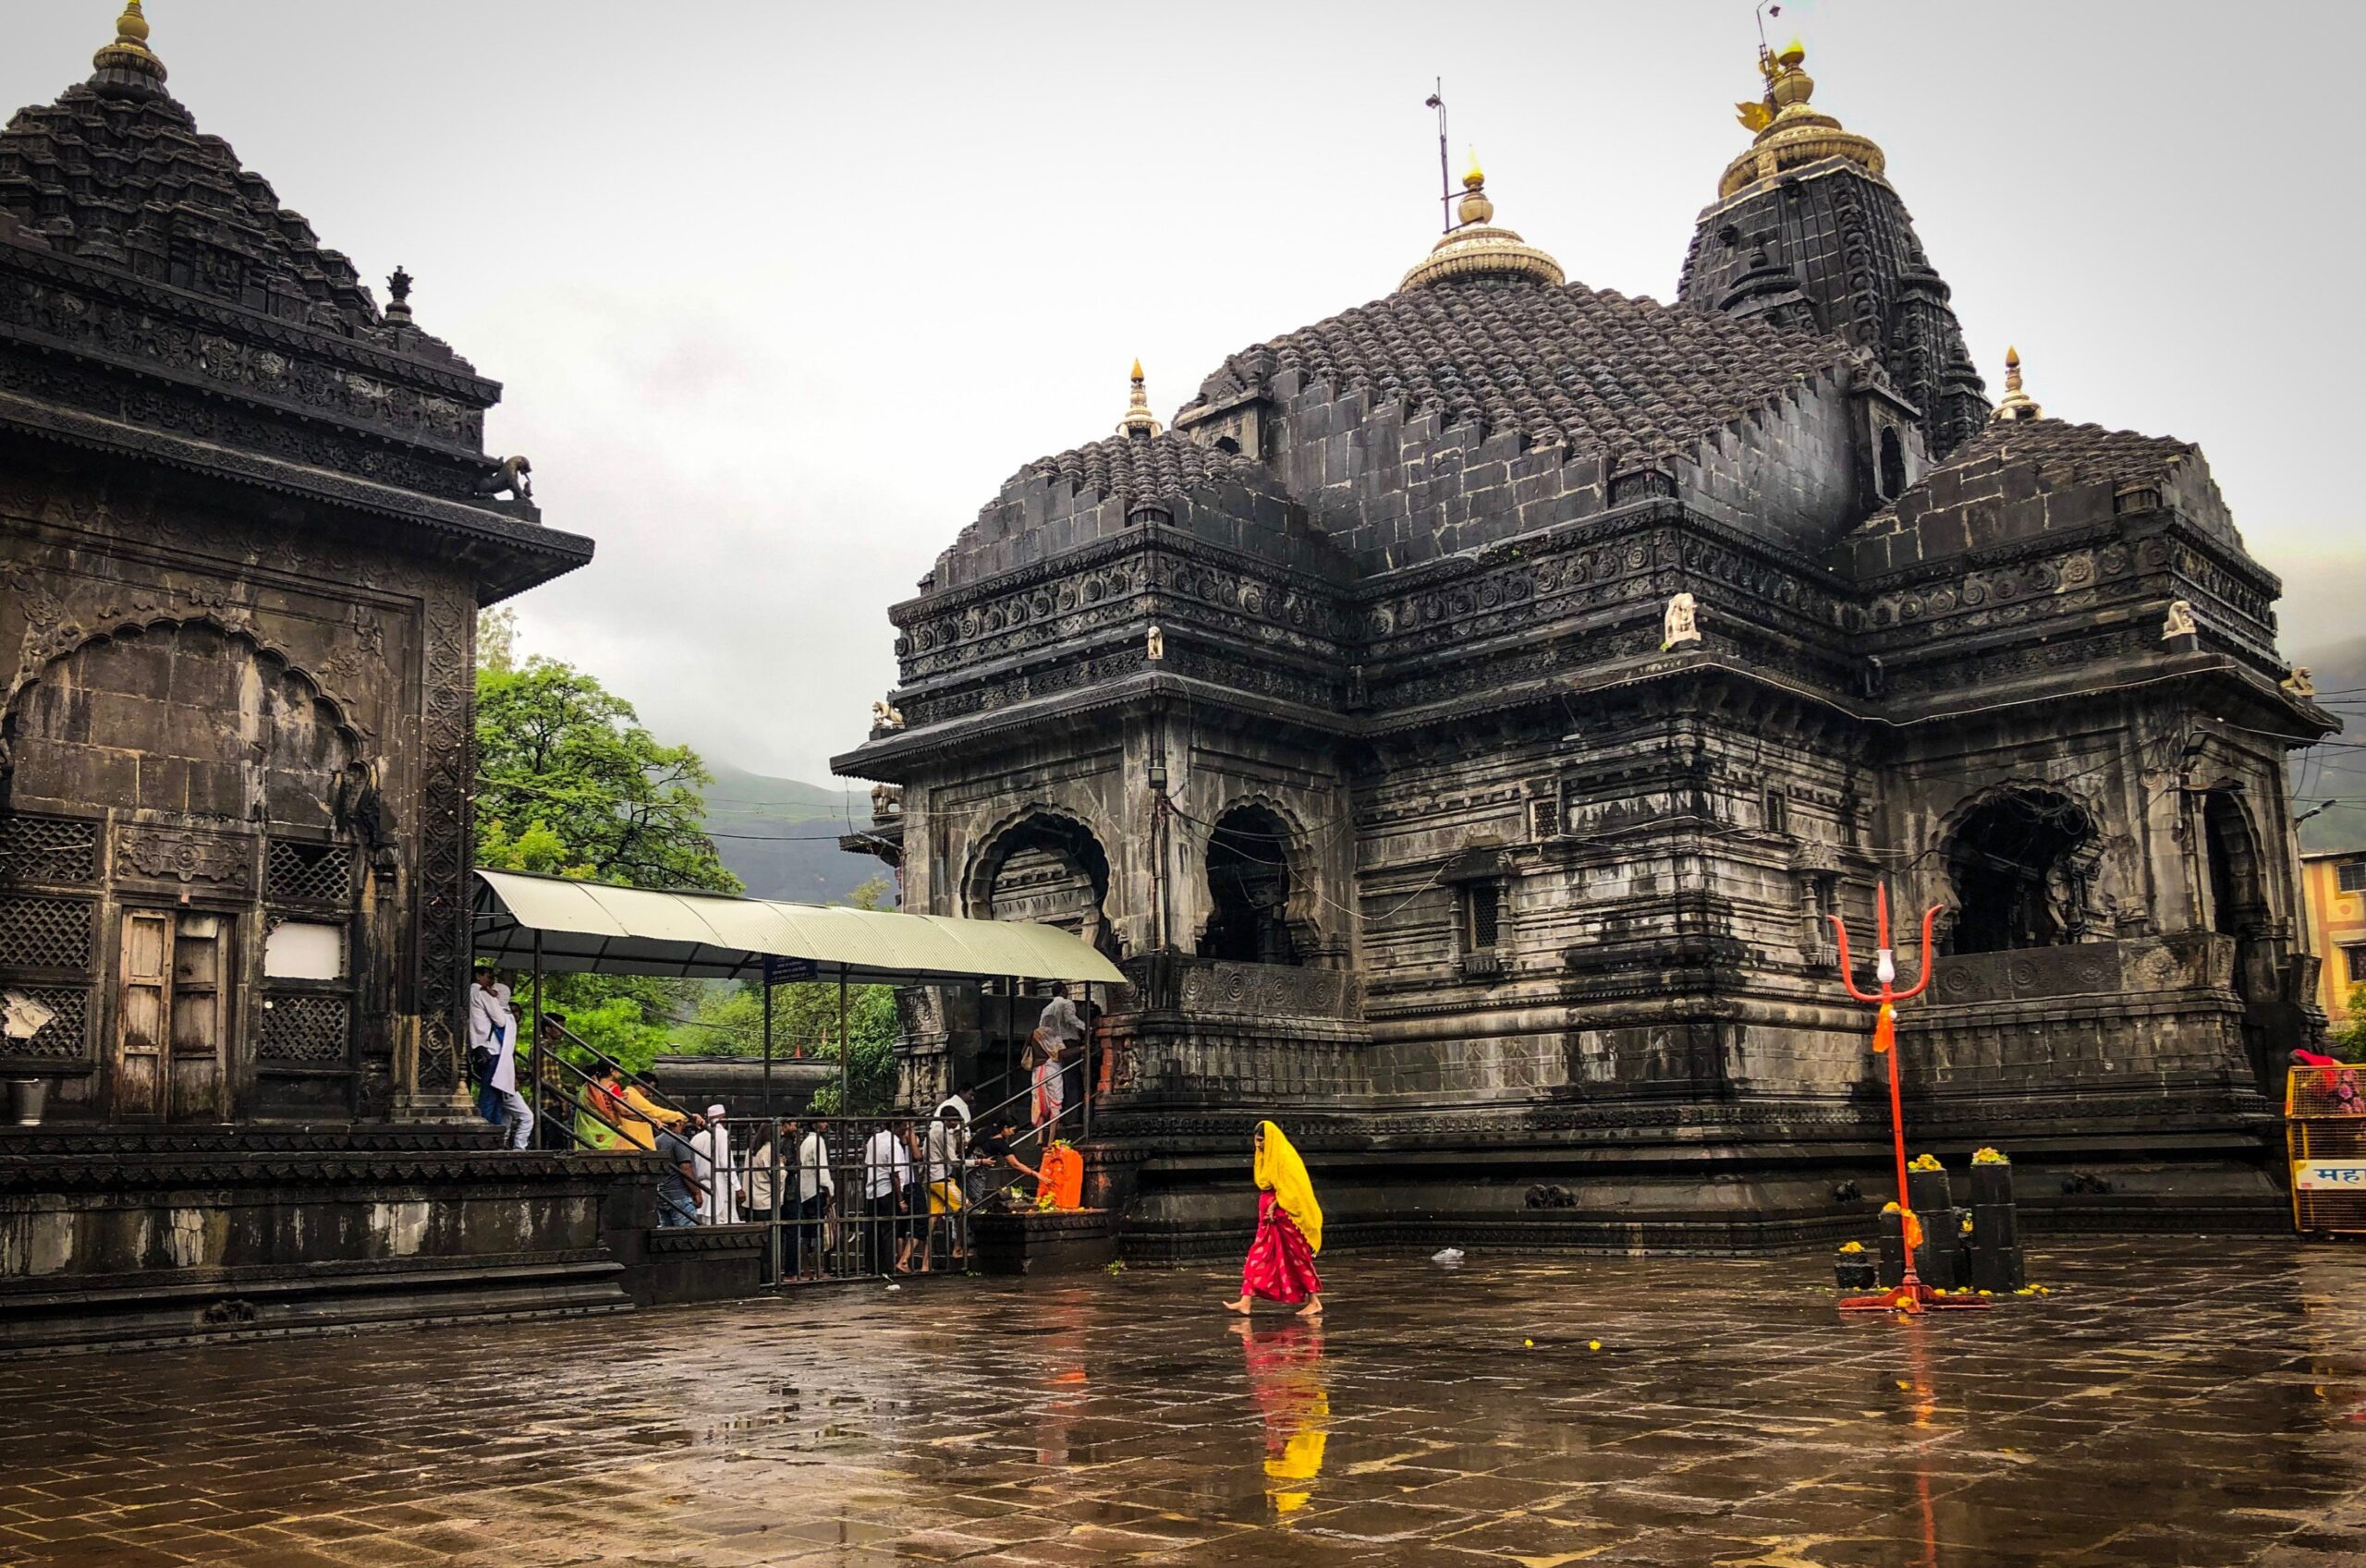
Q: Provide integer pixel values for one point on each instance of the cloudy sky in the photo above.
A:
(782, 292)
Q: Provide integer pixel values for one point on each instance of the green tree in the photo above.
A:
(2349, 1039)
(497, 639)
(805, 1022)
(569, 783)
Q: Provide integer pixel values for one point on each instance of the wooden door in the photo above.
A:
(201, 1008)
(143, 1016)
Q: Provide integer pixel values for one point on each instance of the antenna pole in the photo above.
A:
(1445, 176)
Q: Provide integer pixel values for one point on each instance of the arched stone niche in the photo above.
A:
(184, 718)
(1256, 883)
(1044, 866)
(2022, 860)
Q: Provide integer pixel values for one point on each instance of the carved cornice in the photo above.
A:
(162, 299)
(116, 438)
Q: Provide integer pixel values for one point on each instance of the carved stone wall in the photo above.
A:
(199, 686)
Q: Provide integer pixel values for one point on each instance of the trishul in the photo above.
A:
(1911, 1295)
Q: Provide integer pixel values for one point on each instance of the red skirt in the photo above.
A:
(1280, 1266)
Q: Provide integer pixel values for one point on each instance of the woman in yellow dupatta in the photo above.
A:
(1280, 1266)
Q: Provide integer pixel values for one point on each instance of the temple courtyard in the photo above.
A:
(2170, 1401)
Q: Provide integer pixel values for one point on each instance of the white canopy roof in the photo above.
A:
(629, 930)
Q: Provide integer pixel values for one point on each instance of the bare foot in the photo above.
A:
(1313, 1308)
(1240, 1306)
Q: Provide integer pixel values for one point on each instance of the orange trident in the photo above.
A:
(1910, 1295)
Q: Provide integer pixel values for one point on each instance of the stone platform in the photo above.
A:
(117, 1236)
(2169, 1402)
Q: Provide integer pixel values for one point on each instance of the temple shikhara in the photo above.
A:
(1461, 718)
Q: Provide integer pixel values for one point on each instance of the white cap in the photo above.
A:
(714, 1111)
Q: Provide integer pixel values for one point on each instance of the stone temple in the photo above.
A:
(1463, 715)
(246, 523)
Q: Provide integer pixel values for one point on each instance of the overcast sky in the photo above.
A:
(781, 292)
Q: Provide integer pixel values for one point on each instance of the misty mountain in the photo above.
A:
(2330, 771)
(780, 836)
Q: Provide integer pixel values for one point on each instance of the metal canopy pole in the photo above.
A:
(537, 1057)
(1084, 1048)
(772, 1133)
(845, 1066)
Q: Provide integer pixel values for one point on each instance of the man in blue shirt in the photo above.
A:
(678, 1195)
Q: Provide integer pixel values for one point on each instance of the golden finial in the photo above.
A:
(129, 62)
(1474, 247)
(1474, 208)
(2017, 404)
(1138, 419)
(1787, 131)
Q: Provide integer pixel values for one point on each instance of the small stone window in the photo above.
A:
(1483, 904)
(2349, 876)
(1778, 812)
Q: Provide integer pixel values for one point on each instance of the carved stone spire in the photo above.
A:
(127, 68)
(2017, 404)
(1138, 419)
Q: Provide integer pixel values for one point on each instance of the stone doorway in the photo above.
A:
(2239, 910)
(172, 1016)
(2022, 863)
(1249, 889)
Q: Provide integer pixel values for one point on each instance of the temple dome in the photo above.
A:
(1476, 249)
(1792, 133)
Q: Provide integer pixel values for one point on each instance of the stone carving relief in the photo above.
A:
(165, 855)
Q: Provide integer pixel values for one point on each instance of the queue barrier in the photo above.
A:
(2325, 1119)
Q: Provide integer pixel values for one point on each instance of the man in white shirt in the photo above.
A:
(493, 1052)
(817, 1189)
(716, 1177)
(886, 1165)
(942, 1171)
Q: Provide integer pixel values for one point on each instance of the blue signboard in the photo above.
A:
(782, 971)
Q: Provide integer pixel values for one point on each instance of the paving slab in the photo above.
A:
(2171, 1401)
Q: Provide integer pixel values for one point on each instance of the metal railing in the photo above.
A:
(841, 1196)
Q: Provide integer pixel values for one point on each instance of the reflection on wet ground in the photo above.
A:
(2171, 1403)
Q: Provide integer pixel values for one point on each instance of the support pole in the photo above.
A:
(772, 1134)
(537, 1057)
(845, 1052)
(1085, 1067)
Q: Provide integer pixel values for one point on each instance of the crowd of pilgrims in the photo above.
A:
(901, 1202)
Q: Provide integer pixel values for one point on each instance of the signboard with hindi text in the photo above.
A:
(2327, 1175)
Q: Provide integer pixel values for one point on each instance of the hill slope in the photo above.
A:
(780, 836)
(2332, 772)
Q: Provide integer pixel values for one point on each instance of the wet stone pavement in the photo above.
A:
(2169, 1402)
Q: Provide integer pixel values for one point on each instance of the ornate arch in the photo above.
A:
(46, 650)
(46, 653)
(1033, 825)
(2060, 845)
(2235, 862)
(1301, 912)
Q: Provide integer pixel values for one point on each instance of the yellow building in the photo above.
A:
(2333, 884)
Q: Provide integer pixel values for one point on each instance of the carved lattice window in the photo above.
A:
(307, 873)
(304, 1029)
(63, 1035)
(1487, 915)
(48, 849)
(45, 933)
